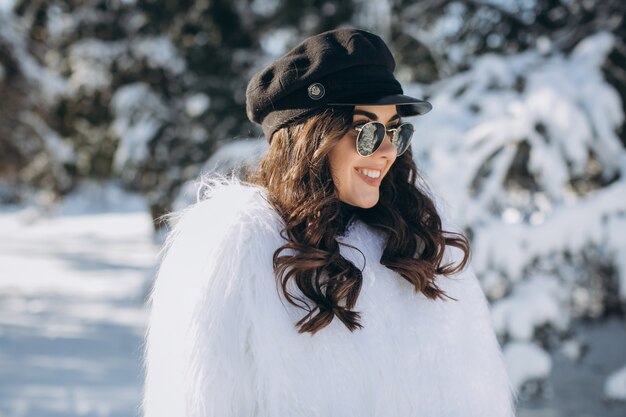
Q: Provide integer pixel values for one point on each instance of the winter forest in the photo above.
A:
(110, 110)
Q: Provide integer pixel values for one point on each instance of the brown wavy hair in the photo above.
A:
(297, 175)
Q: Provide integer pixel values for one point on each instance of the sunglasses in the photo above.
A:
(372, 134)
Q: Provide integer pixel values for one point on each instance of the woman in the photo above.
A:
(329, 285)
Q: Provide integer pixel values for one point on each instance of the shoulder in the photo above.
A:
(225, 210)
(213, 247)
(212, 241)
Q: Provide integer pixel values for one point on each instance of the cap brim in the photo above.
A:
(407, 106)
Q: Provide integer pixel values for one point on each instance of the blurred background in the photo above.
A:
(110, 109)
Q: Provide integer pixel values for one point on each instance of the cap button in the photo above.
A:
(316, 91)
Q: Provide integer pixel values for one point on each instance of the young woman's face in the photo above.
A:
(357, 178)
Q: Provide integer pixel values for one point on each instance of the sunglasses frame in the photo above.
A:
(394, 137)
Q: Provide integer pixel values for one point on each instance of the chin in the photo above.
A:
(366, 202)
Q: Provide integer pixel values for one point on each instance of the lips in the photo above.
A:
(362, 173)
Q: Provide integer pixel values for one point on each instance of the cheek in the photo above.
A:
(342, 160)
(338, 171)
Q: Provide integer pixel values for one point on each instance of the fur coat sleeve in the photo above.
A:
(197, 355)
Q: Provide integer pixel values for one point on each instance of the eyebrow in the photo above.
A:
(373, 116)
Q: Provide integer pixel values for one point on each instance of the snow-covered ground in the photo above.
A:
(72, 310)
(73, 285)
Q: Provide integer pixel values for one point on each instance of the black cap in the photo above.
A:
(341, 67)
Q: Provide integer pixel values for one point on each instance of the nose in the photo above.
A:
(386, 148)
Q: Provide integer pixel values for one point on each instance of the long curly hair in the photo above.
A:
(296, 172)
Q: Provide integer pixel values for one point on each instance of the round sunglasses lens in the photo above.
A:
(403, 137)
(370, 137)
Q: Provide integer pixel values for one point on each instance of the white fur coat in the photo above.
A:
(222, 342)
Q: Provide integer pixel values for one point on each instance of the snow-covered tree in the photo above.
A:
(143, 90)
(525, 150)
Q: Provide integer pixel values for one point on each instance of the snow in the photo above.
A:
(59, 149)
(593, 50)
(72, 315)
(559, 107)
(510, 247)
(376, 16)
(6, 6)
(90, 62)
(139, 114)
(526, 362)
(264, 7)
(159, 52)
(572, 349)
(617, 243)
(12, 33)
(275, 43)
(93, 197)
(59, 23)
(615, 386)
(197, 104)
(532, 304)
